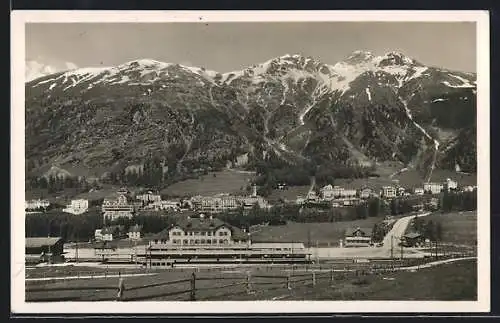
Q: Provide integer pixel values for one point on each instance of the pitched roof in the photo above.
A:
(412, 235)
(41, 241)
(351, 231)
(199, 224)
(113, 229)
(202, 224)
(135, 228)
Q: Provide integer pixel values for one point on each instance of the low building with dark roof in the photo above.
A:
(135, 232)
(44, 249)
(358, 237)
(412, 239)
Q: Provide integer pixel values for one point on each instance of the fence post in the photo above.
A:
(314, 278)
(121, 289)
(249, 286)
(193, 287)
(331, 276)
(288, 283)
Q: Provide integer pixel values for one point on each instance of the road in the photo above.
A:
(397, 231)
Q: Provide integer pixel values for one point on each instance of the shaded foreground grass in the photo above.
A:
(455, 281)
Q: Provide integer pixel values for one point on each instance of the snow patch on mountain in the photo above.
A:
(35, 69)
(121, 74)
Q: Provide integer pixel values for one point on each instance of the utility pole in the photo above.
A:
(392, 246)
(401, 245)
(76, 249)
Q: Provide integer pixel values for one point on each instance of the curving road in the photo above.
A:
(398, 230)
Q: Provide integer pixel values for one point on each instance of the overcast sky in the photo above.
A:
(225, 47)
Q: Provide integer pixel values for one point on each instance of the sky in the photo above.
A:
(226, 47)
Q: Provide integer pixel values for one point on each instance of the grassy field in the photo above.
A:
(457, 281)
(458, 228)
(289, 194)
(219, 182)
(323, 233)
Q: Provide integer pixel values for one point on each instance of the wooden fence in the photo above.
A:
(192, 287)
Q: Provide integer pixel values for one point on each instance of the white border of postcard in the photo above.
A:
(18, 304)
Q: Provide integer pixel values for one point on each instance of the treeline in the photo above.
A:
(274, 171)
(458, 201)
(68, 226)
(82, 227)
(54, 184)
(428, 229)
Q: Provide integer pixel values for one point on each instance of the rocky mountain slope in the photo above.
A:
(361, 110)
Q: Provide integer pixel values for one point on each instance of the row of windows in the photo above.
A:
(203, 233)
(200, 241)
(358, 241)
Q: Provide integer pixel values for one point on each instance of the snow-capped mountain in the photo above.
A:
(35, 69)
(362, 109)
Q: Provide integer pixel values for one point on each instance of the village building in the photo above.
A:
(36, 204)
(358, 237)
(218, 203)
(432, 204)
(401, 191)
(365, 193)
(164, 205)
(388, 192)
(469, 188)
(117, 206)
(417, 207)
(44, 249)
(412, 239)
(418, 191)
(77, 206)
(134, 232)
(281, 186)
(109, 233)
(200, 231)
(329, 192)
(433, 188)
(251, 201)
(450, 184)
(149, 197)
(211, 241)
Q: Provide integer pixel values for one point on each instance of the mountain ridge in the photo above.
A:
(371, 107)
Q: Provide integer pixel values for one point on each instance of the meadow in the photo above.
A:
(323, 233)
(458, 227)
(455, 281)
(227, 181)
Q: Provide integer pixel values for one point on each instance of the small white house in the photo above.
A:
(103, 235)
(77, 206)
(134, 233)
(36, 204)
(389, 192)
(418, 191)
(451, 184)
(434, 188)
